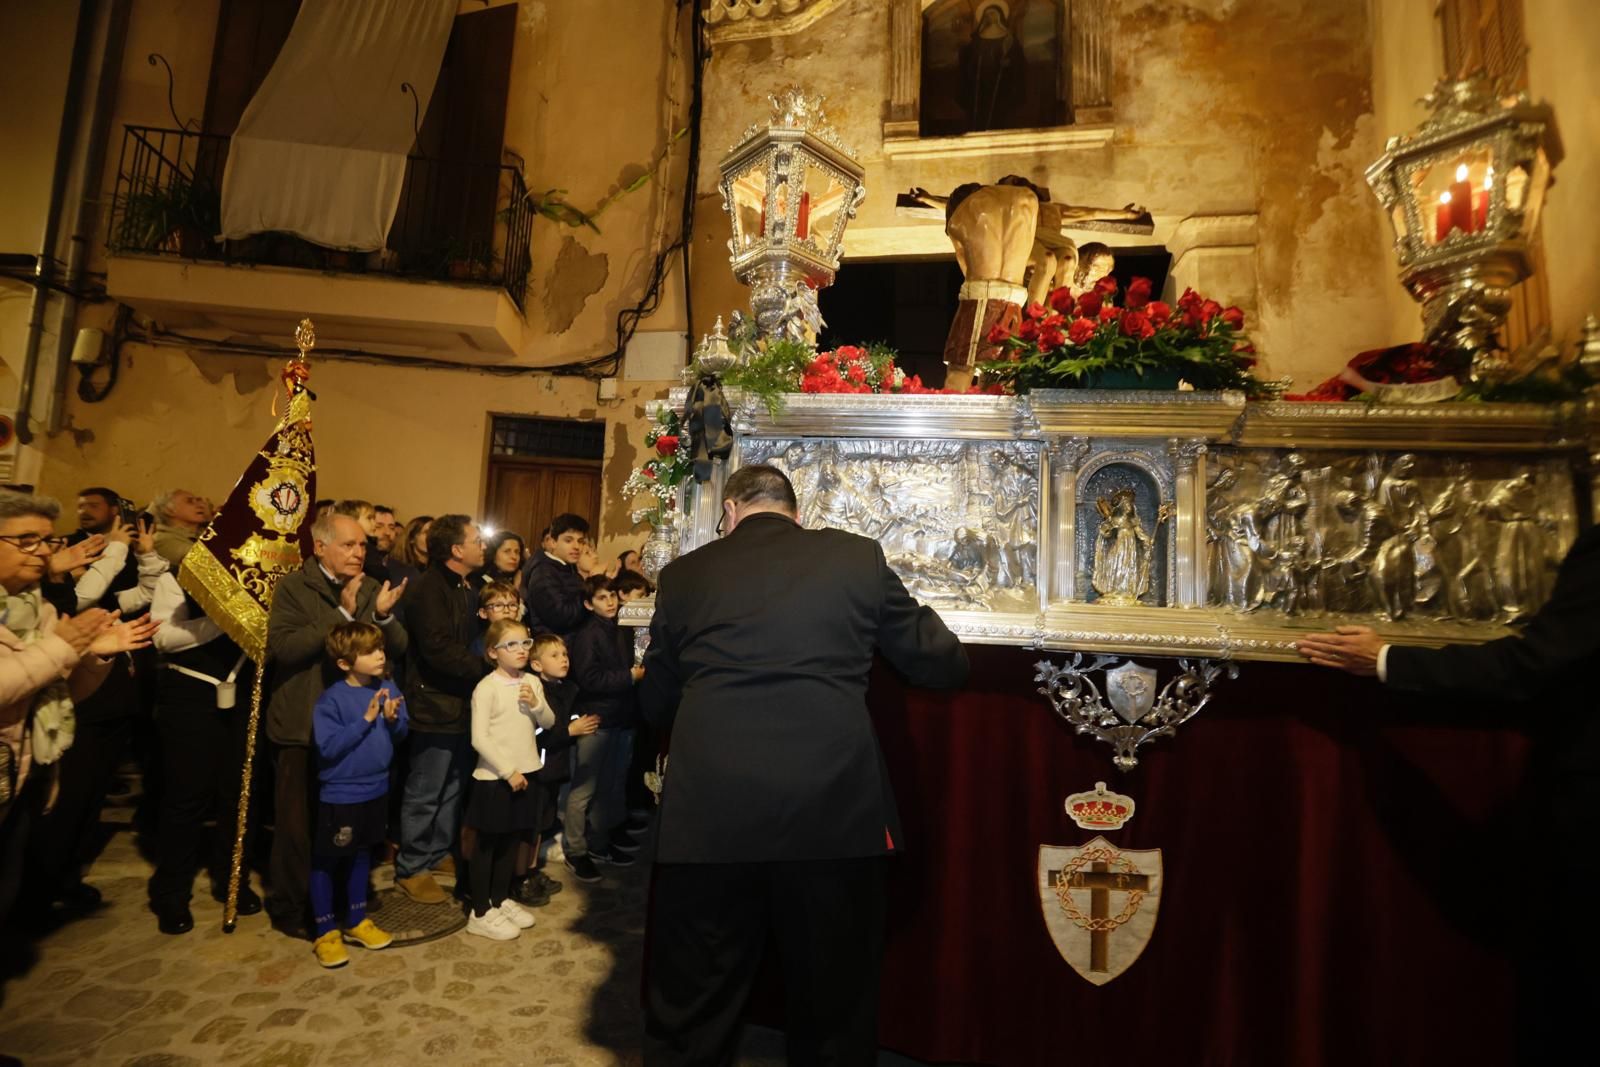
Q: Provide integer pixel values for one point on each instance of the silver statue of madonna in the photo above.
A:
(1123, 550)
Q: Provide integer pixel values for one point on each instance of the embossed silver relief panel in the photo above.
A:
(1404, 536)
(958, 520)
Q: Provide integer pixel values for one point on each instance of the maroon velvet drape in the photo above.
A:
(1340, 878)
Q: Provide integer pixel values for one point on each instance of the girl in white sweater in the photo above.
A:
(507, 707)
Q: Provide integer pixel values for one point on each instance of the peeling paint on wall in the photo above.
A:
(249, 374)
(616, 511)
(577, 275)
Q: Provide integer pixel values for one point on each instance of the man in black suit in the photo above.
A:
(777, 813)
(1551, 668)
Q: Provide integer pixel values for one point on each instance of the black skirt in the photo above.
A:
(495, 808)
(343, 829)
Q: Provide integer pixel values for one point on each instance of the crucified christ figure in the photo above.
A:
(1000, 233)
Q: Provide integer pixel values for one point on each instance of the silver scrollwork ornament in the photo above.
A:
(1131, 712)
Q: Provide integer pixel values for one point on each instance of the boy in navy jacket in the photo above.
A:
(605, 674)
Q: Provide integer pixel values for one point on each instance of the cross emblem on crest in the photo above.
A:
(1099, 904)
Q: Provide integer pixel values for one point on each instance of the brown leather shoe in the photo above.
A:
(445, 868)
(422, 889)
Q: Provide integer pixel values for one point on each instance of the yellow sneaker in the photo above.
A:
(330, 952)
(366, 934)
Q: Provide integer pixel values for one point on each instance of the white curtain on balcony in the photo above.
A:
(321, 148)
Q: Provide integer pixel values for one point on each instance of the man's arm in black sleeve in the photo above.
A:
(1565, 632)
(662, 684)
(913, 638)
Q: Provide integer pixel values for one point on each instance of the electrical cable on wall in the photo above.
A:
(628, 319)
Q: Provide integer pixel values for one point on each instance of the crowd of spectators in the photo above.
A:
(460, 705)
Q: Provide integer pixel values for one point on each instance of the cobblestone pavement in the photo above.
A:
(111, 989)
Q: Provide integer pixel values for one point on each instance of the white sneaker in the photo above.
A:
(493, 925)
(519, 916)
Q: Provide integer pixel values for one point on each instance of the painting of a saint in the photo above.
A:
(991, 65)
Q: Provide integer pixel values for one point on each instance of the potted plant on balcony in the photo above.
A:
(181, 217)
(1090, 342)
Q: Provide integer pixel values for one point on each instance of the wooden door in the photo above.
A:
(525, 493)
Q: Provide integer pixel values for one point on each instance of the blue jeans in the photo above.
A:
(596, 803)
(430, 813)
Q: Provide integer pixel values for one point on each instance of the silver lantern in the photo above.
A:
(791, 187)
(1463, 192)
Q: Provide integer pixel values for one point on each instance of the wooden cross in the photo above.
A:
(1100, 880)
(1054, 217)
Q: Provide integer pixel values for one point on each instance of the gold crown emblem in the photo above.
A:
(1098, 809)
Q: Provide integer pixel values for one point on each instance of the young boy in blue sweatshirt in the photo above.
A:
(355, 725)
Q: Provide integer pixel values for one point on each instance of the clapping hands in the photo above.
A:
(100, 632)
(388, 597)
(81, 554)
(383, 704)
(127, 636)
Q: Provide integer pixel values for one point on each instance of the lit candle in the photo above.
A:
(1461, 201)
(1441, 222)
(802, 227)
(1480, 202)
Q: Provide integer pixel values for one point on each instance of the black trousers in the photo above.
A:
(16, 828)
(202, 750)
(709, 924)
(58, 851)
(294, 810)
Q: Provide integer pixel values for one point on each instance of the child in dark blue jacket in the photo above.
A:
(605, 675)
(355, 725)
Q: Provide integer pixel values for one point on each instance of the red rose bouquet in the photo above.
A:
(850, 369)
(659, 476)
(1090, 341)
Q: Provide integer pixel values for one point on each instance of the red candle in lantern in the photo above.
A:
(1441, 221)
(802, 226)
(1461, 214)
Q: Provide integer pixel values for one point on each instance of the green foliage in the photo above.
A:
(768, 369)
(182, 216)
(552, 204)
(1543, 385)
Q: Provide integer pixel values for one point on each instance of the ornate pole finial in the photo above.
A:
(296, 397)
(305, 337)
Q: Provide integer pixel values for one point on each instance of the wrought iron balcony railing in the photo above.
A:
(462, 222)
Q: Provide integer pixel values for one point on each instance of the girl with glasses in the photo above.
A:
(508, 708)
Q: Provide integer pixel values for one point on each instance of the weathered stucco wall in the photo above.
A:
(413, 438)
(416, 438)
(1563, 70)
(1221, 106)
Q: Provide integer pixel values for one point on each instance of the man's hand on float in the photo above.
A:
(1350, 648)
